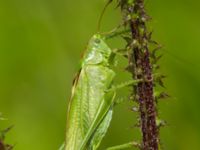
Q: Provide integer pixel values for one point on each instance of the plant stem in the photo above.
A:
(141, 68)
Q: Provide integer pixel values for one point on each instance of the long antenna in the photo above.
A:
(101, 16)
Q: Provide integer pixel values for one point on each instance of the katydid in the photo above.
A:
(90, 104)
(90, 107)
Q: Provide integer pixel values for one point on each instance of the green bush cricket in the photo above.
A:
(90, 107)
(90, 103)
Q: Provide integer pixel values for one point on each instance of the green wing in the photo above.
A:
(88, 105)
(100, 132)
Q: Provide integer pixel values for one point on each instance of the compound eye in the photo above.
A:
(97, 41)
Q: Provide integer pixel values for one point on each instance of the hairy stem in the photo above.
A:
(141, 68)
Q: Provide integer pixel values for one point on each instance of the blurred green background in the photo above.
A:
(40, 46)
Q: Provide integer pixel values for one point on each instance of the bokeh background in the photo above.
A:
(40, 46)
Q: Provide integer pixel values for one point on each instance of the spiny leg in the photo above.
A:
(125, 146)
